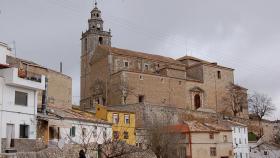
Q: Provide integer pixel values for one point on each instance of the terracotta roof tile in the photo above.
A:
(196, 126)
(126, 52)
(75, 114)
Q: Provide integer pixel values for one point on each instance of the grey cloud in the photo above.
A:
(240, 34)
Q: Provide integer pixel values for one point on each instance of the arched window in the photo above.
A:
(197, 102)
(86, 44)
(100, 40)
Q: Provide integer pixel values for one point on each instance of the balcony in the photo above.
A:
(13, 77)
(29, 76)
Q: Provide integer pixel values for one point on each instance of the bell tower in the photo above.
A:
(94, 36)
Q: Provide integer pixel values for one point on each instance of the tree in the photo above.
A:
(99, 91)
(277, 136)
(160, 137)
(124, 90)
(101, 141)
(260, 105)
(235, 100)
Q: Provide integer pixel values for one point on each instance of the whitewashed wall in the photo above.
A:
(17, 114)
(240, 133)
(89, 137)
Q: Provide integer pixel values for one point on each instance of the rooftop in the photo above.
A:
(74, 114)
(196, 126)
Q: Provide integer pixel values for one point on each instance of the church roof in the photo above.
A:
(148, 56)
(192, 58)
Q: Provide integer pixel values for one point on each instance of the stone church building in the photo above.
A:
(115, 76)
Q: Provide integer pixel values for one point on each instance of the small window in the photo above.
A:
(21, 98)
(146, 66)
(141, 98)
(211, 135)
(126, 64)
(265, 152)
(225, 138)
(23, 131)
(116, 134)
(115, 118)
(86, 44)
(219, 74)
(125, 135)
(213, 151)
(84, 132)
(141, 77)
(240, 142)
(97, 15)
(180, 82)
(94, 131)
(126, 119)
(72, 131)
(105, 133)
(100, 40)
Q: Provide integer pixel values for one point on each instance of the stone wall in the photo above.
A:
(25, 145)
(69, 151)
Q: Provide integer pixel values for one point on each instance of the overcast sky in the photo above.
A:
(242, 34)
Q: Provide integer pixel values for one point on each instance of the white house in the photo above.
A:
(240, 140)
(264, 149)
(73, 126)
(18, 101)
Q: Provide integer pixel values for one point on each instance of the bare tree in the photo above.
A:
(99, 91)
(161, 138)
(124, 90)
(260, 105)
(106, 147)
(235, 100)
(277, 136)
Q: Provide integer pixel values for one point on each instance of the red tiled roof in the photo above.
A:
(126, 52)
(75, 114)
(196, 126)
(180, 128)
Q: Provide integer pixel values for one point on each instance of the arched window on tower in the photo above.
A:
(197, 101)
(100, 40)
(86, 44)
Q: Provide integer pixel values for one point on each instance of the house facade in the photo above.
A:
(240, 140)
(113, 76)
(18, 103)
(209, 140)
(123, 123)
(72, 126)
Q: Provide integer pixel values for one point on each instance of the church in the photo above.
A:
(116, 76)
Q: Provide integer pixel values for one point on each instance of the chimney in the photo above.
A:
(45, 98)
(60, 67)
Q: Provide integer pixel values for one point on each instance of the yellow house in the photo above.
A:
(123, 122)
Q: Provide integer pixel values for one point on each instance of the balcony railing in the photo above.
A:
(29, 76)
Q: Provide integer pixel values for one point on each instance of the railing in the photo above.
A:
(29, 76)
